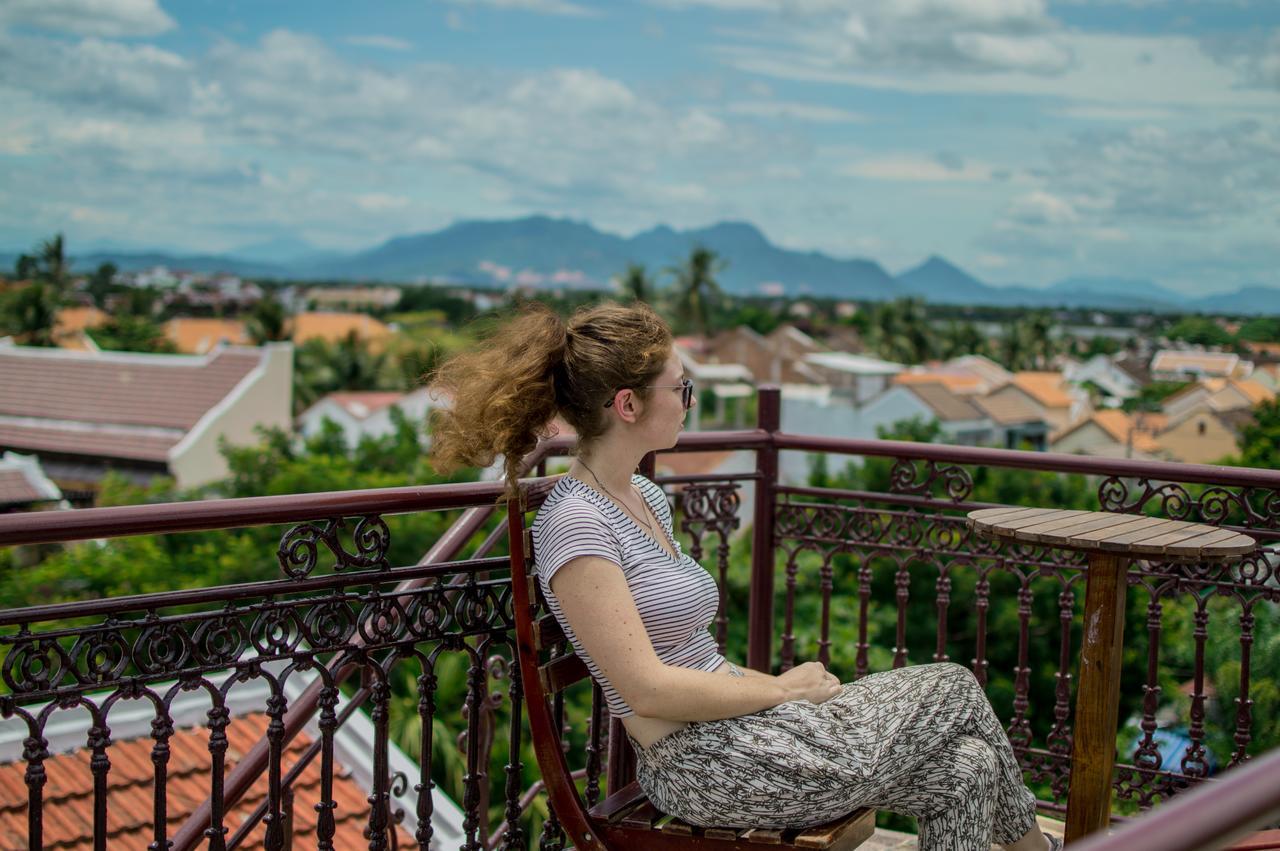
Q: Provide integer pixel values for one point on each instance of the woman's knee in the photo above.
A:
(977, 762)
(955, 676)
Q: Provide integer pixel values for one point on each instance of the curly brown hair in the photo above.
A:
(506, 391)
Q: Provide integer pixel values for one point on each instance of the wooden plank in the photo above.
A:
(1095, 536)
(641, 817)
(763, 836)
(1048, 515)
(1058, 533)
(1122, 542)
(725, 834)
(1223, 543)
(678, 828)
(841, 835)
(1004, 512)
(562, 672)
(547, 632)
(1184, 532)
(612, 808)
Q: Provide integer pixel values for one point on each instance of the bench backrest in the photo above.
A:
(547, 667)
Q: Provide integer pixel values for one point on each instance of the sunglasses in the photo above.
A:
(686, 395)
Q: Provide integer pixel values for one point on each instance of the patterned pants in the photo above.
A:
(921, 741)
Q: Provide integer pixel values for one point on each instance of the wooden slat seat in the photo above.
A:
(625, 820)
(634, 817)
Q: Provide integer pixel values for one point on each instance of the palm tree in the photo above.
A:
(696, 289)
(53, 258)
(321, 368)
(637, 284)
(899, 331)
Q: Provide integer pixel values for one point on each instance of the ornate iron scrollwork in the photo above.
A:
(907, 478)
(299, 550)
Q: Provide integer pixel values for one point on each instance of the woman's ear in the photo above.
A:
(628, 405)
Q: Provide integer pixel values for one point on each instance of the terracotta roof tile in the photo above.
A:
(199, 335)
(171, 391)
(15, 488)
(956, 382)
(72, 320)
(947, 405)
(1119, 425)
(1045, 387)
(362, 404)
(68, 793)
(1009, 408)
(1256, 393)
(112, 442)
(332, 327)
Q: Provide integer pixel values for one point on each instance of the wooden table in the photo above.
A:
(1111, 541)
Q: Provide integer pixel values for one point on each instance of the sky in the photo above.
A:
(1027, 141)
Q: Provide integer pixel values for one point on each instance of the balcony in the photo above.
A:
(875, 570)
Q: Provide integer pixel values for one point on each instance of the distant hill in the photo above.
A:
(565, 252)
(554, 252)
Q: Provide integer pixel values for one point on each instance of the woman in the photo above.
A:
(714, 744)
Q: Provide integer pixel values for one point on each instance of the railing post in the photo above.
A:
(760, 606)
(1093, 755)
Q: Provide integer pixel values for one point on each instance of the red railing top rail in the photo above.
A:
(1056, 462)
(61, 526)
(1209, 816)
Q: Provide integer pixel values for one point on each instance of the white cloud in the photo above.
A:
(1042, 208)
(380, 202)
(382, 42)
(106, 18)
(793, 111)
(1106, 70)
(1192, 205)
(543, 7)
(913, 169)
(106, 75)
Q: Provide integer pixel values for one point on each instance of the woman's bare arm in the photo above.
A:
(598, 605)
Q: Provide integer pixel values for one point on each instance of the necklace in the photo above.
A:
(623, 505)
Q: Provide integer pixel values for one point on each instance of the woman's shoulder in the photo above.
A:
(652, 492)
(568, 498)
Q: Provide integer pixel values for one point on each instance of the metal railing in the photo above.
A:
(860, 578)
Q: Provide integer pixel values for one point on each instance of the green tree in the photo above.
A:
(637, 284)
(54, 266)
(29, 313)
(132, 327)
(1261, 329)
(320, 368)
(899, 331)
(268, 322)
(697, 292)
(1200, 331)
(1260, 440)
(102, 284)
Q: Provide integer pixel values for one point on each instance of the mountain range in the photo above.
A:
(542, 251)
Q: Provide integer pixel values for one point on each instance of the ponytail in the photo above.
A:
(505, 393)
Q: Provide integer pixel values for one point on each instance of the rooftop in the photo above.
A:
(1047, 388)
(855, 364)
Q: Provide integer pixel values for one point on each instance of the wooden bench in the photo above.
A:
(625, 820)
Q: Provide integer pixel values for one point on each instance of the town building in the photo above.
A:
(365, 414)
(143, 415)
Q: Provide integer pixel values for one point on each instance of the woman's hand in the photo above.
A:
(810, 681)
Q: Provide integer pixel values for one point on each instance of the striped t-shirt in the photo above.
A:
(677, 599)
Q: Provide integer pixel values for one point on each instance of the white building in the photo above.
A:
(365, 414)
(857, 376)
